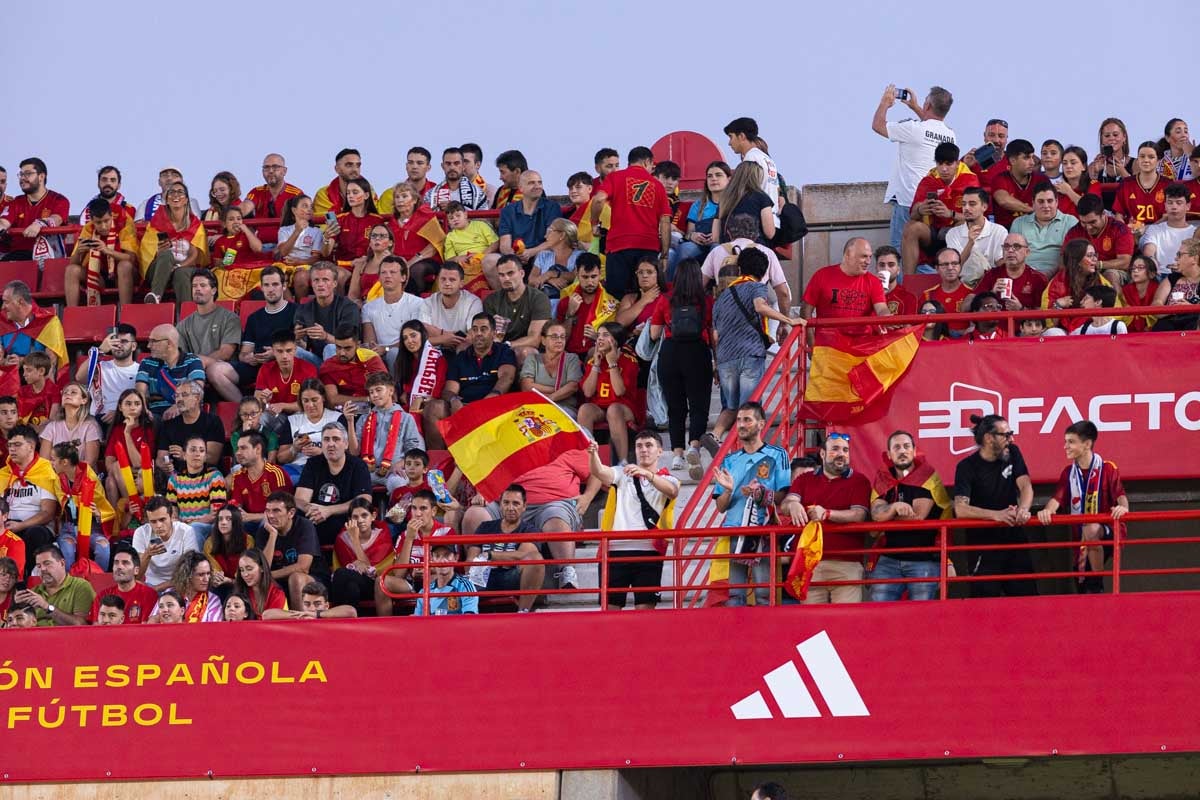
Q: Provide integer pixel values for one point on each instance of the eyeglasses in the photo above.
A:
(176, 193)
(949, 264)
(556, 336)
(249, 414)
(990, 307)
(152, 340)
(272, 167)
(27, 173)
(1002, 434)
(1013, 246)
(845, 437)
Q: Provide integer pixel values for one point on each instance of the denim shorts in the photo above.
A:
(739, 378)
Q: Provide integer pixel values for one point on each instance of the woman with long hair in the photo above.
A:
(190, 581)
(685, 364)
(418, 357)
(250, 418)
(1176, 147)
(173, 246)
(77, 427)
(554, 372)
(354, 578)
(698, 239)
(1140, 199)
(1113, 163)
(635, 308)
(365, 270)
(306, 428)
(934, 331)
(554, 268)
(610, 386)
(224, 193)
(1079, 270)
(237, 608)
(301, 243)
(1076, 181)
(132, 426)
(254, 582)
(1181, 287)
(224, 546)
(1140, 291)
(744, 195)
(351, 230)
(413, 236)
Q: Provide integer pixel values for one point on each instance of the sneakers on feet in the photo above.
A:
(695, 471)
(677, 463)
(692, 455)
(151, 297)
(567, 579)
(710, 443)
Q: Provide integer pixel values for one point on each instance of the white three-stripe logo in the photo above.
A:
(794, 700)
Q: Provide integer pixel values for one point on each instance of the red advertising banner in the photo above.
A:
(958, 679)
(1141, 391)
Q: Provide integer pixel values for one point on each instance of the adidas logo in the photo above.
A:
(792, 696)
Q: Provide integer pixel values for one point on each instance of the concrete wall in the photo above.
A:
(835, 212)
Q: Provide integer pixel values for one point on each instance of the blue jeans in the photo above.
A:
(100, 551)
(900, 215)
(741, 572)
(201, 531)
(315, 360)
(888, 567)
(739, 378)
(682, 251)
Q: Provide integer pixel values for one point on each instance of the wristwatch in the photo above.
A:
(50, 607)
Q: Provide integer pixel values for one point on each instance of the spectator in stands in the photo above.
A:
(384, 317)
(585, 305)
(554, 372)
(770, 790)
(978, 241)
(1076, 181)
(224, 193)
(329, 482)
(19, 312)
(108, 184)
(1140, 197)
(8, 419)
(493, 570)
(225, 546)
(301, 243)
(1179, 287)
(359, 552)
(468, 241)
(1176, 148)
(1110, 238)
(456, 187)
(1162, 239)
(698, 240)
(1140, 290)
(1079, 271)
(365, 269)
(444, 581)
(12, 550)
(606, 161)
(174, 245)
(169, 608)
(105, 252)
(1100, 297)
(328, 312)
(137, 597)
(1050, 162)
(257, 479)
(199, 491)
(1043, 231)
(906, 488)
(415, 231)
(641, 219)
(132, 427)
(270, 200)
(447, 313)
(237, 608)
(511, 164)
(685, 368)
(162, 541)
(32, 489)
(748, 483)
(950, 292)
(610, 389)
(916, 140)
(984, 330)
(1088, 485)
(259, 584)
(278, 383)
(238, 247)
(487, 369)
(417, 164)
(1012, 190)
(60, 599)
(314, 604)
(523, 225)
(24, 218)
(350, 232)
(741, 231)
(345, 375)
(393, 432)
(554, 505)
(642, 497)
(518, 312)
(888, 270)
(305, 428)
(73, 476)
(993, 484)
(191, 421)
(834, 494)
(554, 268)
(5, 199)
(273, 321)
(938, 202)
(190, 581)
(113, 375)
(1113, 163)
(845, 290)
(743, 195)
(636, 308)
(348, 167)
(77, 427)
(1016, 283)
(166, 177)
(668, 174)
(745, 141)
(995, 133)
(212, 333)
(293, 546)
(419, 369)
(10, 575)
(21, 615)
(251, 419)
(40, 398)
(420, 529)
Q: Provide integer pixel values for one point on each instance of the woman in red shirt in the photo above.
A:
(135, 427)
(365, 272)
(1140, 290)
(255, 582)
(408, 220)
(685, 363)
(362, 549)
(610, 386)
(352, 227)
(226, 544)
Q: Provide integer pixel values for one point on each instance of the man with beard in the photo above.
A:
(833, 494)
(906, 488)
(22, 221)
(108, 186)
(993, 483)
(456, 187)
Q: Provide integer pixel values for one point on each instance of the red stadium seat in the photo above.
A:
(248, 307)
(227, 411)
(144, 316)
(88, 324)
(185, 309)
(24, 271)
(54, 280)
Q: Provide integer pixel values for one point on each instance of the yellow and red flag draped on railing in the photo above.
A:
(44, 329)
(810, 546)
(851, 373)
(496, 440)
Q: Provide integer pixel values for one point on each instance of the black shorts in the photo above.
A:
(504, 579)
(634, 575)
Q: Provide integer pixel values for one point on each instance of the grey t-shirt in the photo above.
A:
(736, 338)
(203, 334)
(342, 311)
(571, 371)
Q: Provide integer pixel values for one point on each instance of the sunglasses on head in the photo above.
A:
(845, 437)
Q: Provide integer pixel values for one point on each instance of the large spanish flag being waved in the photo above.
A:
(851, 373)
(496, 440)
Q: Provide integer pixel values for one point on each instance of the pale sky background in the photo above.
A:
(557, 80)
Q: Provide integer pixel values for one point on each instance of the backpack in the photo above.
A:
(687, 323)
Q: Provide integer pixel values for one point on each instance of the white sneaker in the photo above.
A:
(678, 464)
(567, 579)
(151, 297)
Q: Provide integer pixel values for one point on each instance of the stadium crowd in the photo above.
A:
(380, 315)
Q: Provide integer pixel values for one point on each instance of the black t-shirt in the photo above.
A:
(329, 489)
(262, 325)
(907, 494)
(176, 431)
(991, 485)
(300, 540)
(493, 526)
(751, 205)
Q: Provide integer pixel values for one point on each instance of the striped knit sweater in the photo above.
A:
(196, 495)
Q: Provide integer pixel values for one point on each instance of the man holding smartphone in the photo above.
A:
(106, 251)
(108, 377)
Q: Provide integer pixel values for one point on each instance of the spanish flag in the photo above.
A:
(161, 223)
(45, 329)
(496, 440)
(810, 546)
(604, 310)
(851, 373)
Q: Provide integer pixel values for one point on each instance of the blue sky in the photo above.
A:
(151, 84)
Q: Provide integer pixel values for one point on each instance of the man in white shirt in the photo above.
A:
(447, 313)
(1162, 239)
(916, 140)
(162, 541)
(109, 378)
(384, 316)
(743, 140)
(979, 241)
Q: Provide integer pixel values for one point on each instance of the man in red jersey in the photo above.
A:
(5, 198)
(1112, 239)
(22, 221)
(1012, 190)
(995, 133)
(345, 375)
(251, 485)
(139, 598)
(1015, 282)
(278, 381)
(937, 204)
(845, 290)
(348, 166)
(951, 292)
(900, 301)
(641, 219)
(267, 201)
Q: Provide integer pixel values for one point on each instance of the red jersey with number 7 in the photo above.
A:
(638, 202)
